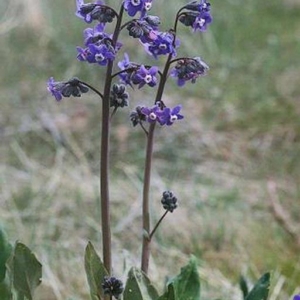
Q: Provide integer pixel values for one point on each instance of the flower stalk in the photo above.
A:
(104, 171)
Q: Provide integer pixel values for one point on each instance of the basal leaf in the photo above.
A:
(260, 290)
(244, 286)
(187, 283)
(139, 287)
(169, 294)
(95, 272)
(24, 270)
(5, 251)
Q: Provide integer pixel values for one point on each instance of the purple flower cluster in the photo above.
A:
(198, 15)
(99, 46)
(135, 74)
(296, 297)
(157, 113)
(189, 69)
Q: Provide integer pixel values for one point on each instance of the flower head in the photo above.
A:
(144, 29)
(134, 6)
(72, 87)
(195, 6)
(162, 45)
(112, 286)
(296, 297)
(152, 114)
(144, 76)
(94, 11)
(118, 96)
(170, 115)
(189, 69)
(137, 117)
(169, 201)
(99, 53)
(201, 21)
(198, 15)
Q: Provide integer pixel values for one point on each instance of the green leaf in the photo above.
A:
(260, 290)
(139, 287)
(5, 251)
(187, 283)
(24, 271)
(169, 294)
(95, 272)
(244, 286)
(5, 291)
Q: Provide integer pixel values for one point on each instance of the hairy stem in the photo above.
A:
(147, 175)
(146, 190)
(157, 224)
(104, 171)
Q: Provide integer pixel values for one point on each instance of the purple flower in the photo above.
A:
(198, 17)
(162, 45)
(152, 114)
(201, 21)
(134, 6)
(144, 76)
(72, 87)
(296, 297)
(97, 53)
(189, 69)
(94, 35)
(169, 116)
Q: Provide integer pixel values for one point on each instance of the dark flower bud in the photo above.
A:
(188, 18)
(103, 14)
(135, 29)
(139, 28)
(152, 20)
(194, 6)
(87, 8)
(137, 117)
(169, 201)
(112, 286)
(118, 96)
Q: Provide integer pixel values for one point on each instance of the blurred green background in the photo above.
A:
(233, 161)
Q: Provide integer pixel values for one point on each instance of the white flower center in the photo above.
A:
(152, 116)
(162, 46)
(99, 57)
(148, 78)
(148, 5)
(201, 22)
(173, 118)
(135, 2)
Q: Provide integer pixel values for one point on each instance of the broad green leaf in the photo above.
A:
(169, 294)
(244, 286)
(260, 290)
(5, 251)
(187, 283)
(139, 287)
(95, 272)
(24, 271)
